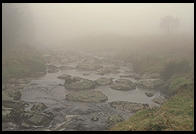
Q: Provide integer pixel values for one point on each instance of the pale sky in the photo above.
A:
(69, 20)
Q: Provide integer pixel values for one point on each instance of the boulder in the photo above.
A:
(87, 96)
(6, 114)
(149, 83)
(39, 107)
(128, 106)
(149, 94)
(103, 81)
(77, 83)
(37, 119)
(123, 84)
(65, 77)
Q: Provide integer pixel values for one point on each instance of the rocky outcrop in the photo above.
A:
(128, 106)
(149, 83)
(103, 81)
(39, 107)
(77, 83)
(36, 119)
(65, 77)
(123, 84)
(87, 96)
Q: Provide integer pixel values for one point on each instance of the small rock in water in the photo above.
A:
(87, 96)
(123, 84)
(149, 94)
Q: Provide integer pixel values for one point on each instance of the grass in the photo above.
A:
(177, 114)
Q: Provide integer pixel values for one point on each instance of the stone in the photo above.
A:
(65, 77)
(78, 83)
(38, 119)
(149, 94)
(149, 83)
(123, 84)
(87, 96)
(39, 107)
(103, 81)
(128, 106)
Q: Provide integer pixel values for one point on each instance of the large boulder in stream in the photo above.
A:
(128, 106)
(149, 83)
(31, 119)
(123, 85)
(77, 83)
(103, 81)
(87, 96)
(39, 107)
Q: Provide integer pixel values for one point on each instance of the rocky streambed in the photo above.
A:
(78, 92)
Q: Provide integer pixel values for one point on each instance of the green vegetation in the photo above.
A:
(173, 59)
(175, 114)
(19, 61)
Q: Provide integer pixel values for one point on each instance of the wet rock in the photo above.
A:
(103, 81)
(6, 114)
(39, 107)
(158, 100)
(78, 83)
(149, 94)
(107, 70)
(123, 84)
(149, 83)
(37, 119)
(52, 69)
(128, 106)
(65, 77)
(86, 96)
(113, 119)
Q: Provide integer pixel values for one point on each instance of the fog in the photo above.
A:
(57, 24)
(94, 67)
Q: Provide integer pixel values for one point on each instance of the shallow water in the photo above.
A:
(50, 90)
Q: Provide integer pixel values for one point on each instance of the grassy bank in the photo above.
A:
(175, 114)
